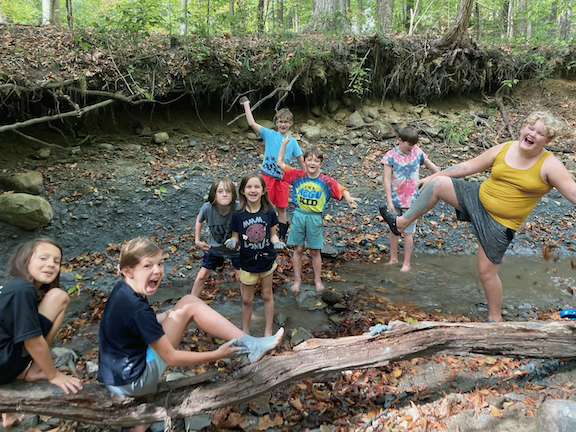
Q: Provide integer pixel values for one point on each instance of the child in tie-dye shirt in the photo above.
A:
(401, 177)
(312, 191)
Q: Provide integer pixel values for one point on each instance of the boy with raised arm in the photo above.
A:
(278, 190)
(312, 190)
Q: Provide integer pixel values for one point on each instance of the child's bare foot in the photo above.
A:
(11, 419)
(320, 286)
(35, 373)
(391, 262)
(295, 287)
(405, 268)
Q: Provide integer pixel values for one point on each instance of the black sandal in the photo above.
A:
(390, 219)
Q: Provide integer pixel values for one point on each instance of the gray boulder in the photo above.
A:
(161, 137)
(383, 131)
(30, 182)
(332, 106)
(25, 211)
(312, 133)
(355, 120)
(556, 415)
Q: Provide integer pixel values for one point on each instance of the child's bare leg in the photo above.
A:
(393, 240)
(53, 306)
(317, 267)
(408, 243)
(297, 267)
(11, 419)
(201, 278)
(190, 308)
(140, 428)
(247, 292)
(268, 298)
(282, 215)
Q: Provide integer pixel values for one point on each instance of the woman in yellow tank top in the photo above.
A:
(522, 172)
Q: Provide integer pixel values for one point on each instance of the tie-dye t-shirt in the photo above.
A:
(312, 194)
(405, 174)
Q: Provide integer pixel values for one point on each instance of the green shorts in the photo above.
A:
(306, 229)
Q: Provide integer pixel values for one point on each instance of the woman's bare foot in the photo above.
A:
(320, 286)
(391, 262)
(405, 268)
(295, 287)
(11, 419)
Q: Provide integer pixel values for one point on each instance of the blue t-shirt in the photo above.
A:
(127, 327)
(272, 141)
(257, 254)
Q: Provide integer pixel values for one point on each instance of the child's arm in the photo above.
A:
(249, 117)
(431, 166)
(175, 357)
(352, 202)
(197, 234)
(39, 350)
(274, 239)
(280, 162)
(388, 187)
(300, 160)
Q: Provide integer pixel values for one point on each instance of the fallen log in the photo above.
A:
(205, 393)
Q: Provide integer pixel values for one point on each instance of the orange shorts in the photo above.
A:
(278, 191)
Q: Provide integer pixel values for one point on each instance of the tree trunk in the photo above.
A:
(458, 34)
(564, 24)
(385, 16)
(510, 20)
(328, 15)
(183, 17)
(95, 404)
(280, 13)
(260, 17)
(521, 18)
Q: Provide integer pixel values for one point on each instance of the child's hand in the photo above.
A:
(66, 382)
(353, 202)
(244, 100)
(227, 350)
(203, 245)
(230, 244)
(279, 245)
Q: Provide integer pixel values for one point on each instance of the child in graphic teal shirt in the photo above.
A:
(312, 191)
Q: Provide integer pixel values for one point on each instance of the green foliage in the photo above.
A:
(360, 80)
(137, 18)
(510, 83)
(456, 133)
(20, 11)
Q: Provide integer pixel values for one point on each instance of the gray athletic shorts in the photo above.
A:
(147, 383)
(493, 236)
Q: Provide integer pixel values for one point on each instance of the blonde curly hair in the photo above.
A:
(552, 124)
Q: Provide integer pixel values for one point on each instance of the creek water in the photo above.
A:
(442, 284)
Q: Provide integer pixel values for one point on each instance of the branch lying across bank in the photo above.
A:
(75, 113)
(95, 404)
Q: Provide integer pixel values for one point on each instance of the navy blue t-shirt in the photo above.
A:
(127, 327)
(257, 254)
(19, 320)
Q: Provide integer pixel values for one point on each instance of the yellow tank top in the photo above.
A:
(510, 194)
